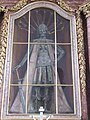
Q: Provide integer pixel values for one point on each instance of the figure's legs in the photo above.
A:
(49, 74)
(46, 98)
(35, 94)
(44, 76)
(47, 78)
(38, 98)
(41, 95)
(50, 89)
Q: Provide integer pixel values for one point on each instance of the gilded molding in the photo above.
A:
(81, 55)
(85, 8)
(2, 9)
(63, 5)
(19, 5)
(2, 46)
(22, 3)
(3, 38)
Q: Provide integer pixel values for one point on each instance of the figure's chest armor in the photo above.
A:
(43, 56)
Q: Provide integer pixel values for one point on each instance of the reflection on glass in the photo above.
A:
(62, 29)
(41, 96)
(65, 103)
(21, 29)
(20, 100)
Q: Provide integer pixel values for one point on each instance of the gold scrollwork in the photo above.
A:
(85, 8)
(2, 9)
(61, 3)
(81, 56)
(3, 43)
(19, 5)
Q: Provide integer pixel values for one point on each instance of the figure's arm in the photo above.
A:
(24, 59)
(21, 63)
(60, 53)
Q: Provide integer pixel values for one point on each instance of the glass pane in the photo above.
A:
(19, 63)
(41, 64)
(65, 100)
(41, 96)
(42, 25)
(17, 100)
(21, 29)
(62, 29)
(64, 64)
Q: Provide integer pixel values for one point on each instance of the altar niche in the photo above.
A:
(41, 70)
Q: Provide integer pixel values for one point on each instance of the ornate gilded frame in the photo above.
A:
(81, 57)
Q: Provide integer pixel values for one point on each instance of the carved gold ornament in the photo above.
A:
(19, 5)
(85, 8)
(81, 50)
(81, 56)
(3, 44)
(2, 9)
(3, 41)
(61, 3)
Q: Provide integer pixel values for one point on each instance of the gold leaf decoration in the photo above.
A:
(2, 9)
(81, 56)
(60, 3)
(19, 5)
(85, 8)
(3, 37)
(64, 6)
